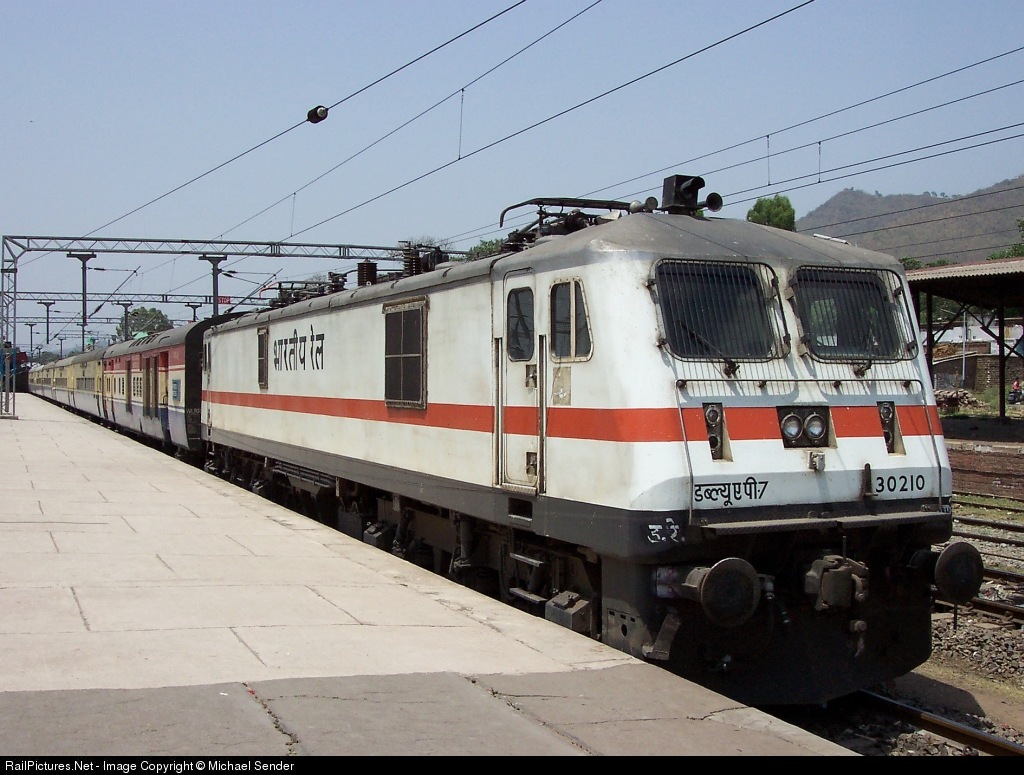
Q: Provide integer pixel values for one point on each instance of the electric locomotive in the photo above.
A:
(710, 444)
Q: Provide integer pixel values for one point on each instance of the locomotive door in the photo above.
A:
(521, 386)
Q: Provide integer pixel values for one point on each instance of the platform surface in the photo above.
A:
(148, 608)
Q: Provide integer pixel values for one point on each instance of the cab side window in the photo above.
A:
(570, 329)
(519, 328)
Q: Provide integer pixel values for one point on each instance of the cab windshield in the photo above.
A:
(719, 310)
(851, 314)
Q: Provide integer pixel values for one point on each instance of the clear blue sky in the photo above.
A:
(106, 106)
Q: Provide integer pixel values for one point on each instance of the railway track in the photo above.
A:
(1008, 505)
(876, 724)
(986, 537)
(941, 726)
(989, 514)
(1010, 525)
(998, 540)
(1005, 613)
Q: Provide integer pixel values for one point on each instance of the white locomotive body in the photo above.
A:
(706, 442)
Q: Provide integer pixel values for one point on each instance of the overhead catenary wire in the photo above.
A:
(862, 172)
(821, 180)
(966, 198)
(864, 128)
(776, 153)
(300, 123)
(874, 169)
(490, 229)
(927, 146)
(295, 126)
(134, 272)
(994, 248)
(458, 92)
(930, 220)
(808, 121)
(948, 239)
(554, 116)
(862, 102)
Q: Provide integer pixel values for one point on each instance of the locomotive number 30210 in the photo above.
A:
(900, 483)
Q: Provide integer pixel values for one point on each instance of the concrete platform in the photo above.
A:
(150, 609)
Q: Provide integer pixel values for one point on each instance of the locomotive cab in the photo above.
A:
(810, 480)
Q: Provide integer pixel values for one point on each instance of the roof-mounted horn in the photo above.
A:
(679, 196)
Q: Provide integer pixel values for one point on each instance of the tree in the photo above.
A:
(777, 211)
(144, 320)
(428, 241)
(1014, 251)
(916, 263)
(484, 248)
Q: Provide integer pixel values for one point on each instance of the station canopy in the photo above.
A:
(989, 285)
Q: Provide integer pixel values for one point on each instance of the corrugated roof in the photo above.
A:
(983, 284)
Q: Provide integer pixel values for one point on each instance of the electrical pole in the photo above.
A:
(84, 257)
(215, 263)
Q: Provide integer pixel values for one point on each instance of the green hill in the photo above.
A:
(930, 226)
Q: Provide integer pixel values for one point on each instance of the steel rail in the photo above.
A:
(983, 742)
(989, 538)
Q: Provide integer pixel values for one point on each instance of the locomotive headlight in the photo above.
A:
(713, 414)
(804, 426)
(792, 426)
(815, 427)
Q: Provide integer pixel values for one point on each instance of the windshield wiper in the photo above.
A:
(731, 367)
